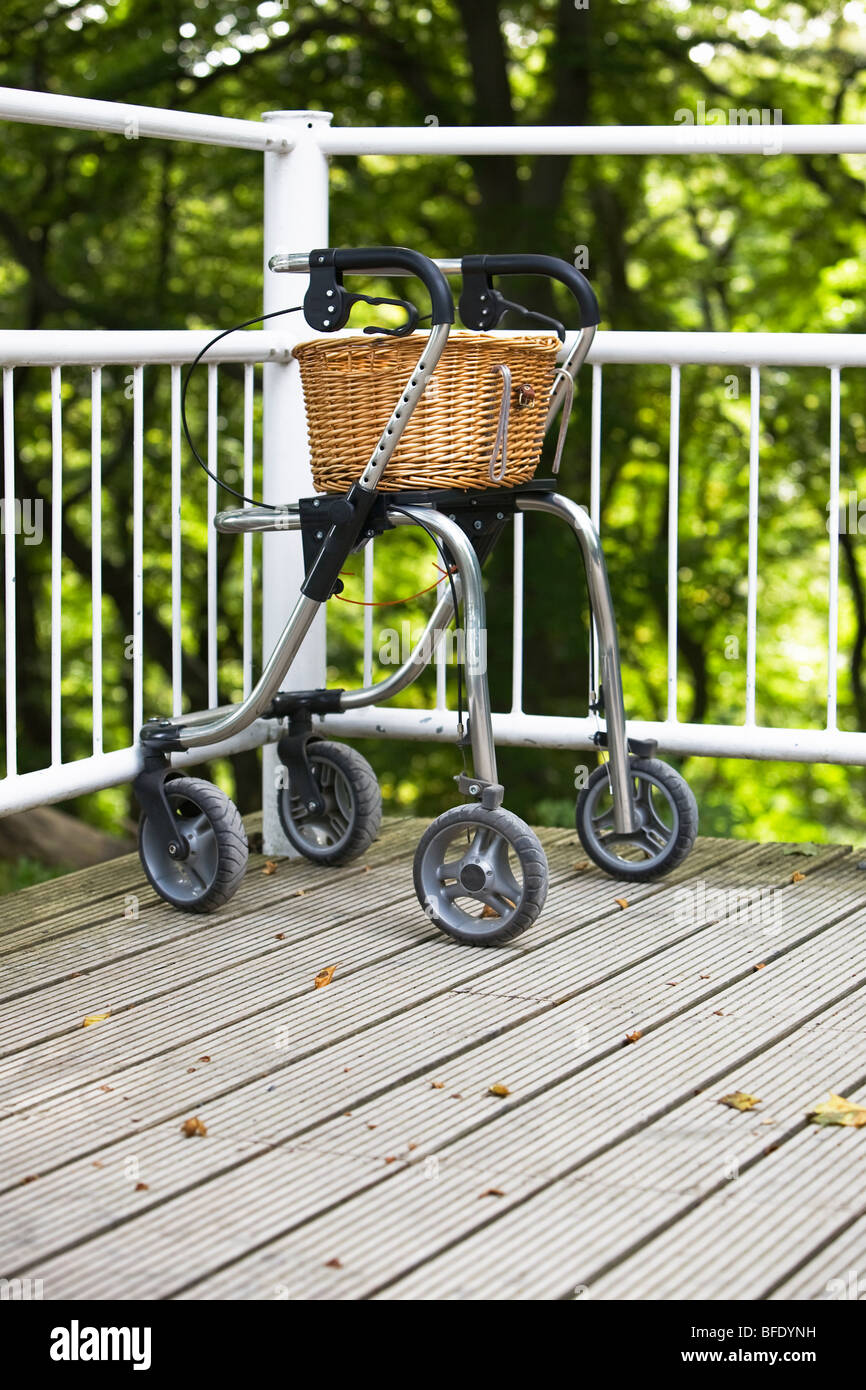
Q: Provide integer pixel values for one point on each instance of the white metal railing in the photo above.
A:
(296, 146)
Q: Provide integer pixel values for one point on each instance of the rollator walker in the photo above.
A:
(480, 872)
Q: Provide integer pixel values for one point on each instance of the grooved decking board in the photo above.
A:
(602, 1150)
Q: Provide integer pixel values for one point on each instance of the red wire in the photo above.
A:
(392, 602)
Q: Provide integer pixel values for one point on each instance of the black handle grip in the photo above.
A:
(381, 259)
(551, 266)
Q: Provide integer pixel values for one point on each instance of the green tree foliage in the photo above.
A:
(107, 232)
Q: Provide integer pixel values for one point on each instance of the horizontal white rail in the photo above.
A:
(730, 137)
(521, 730)
(22, 347)
(152, 347)
(717, 131)
(136, 122)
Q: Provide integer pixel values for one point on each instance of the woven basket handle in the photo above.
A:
(501, 441)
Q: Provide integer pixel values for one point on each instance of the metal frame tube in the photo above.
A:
(475, 630)
(260, 697)
(601, 605)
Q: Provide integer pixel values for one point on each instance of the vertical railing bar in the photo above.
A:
(9, 518)
(673, 541)
(368, 612)
(754, 493)
(833, 596)
(56, 562)
(247, 660)
(137, 549)
(517, 619)
(96, 552)
(595, 493)
(212, 426)
(176, 548)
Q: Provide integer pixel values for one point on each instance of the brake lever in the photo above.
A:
(405, 328)
(501, 307)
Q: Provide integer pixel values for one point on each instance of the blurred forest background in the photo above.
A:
(101, 232)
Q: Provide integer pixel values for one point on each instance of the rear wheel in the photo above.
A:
(349, 822)
(667, 816)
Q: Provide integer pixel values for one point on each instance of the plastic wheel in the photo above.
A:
(218, 850)
(353, 806)
(480, 876)
(668, 821)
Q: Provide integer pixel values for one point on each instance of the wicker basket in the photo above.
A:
(352, 383)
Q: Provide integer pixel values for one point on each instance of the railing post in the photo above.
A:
(296, 219)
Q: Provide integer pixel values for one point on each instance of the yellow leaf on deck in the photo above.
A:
(193, 1127)
(623, 902)
(497, 1089)
(740, 1100)
(798, 877)
(96, 1018)
(836, 1110)
(633, 1037)
(324, 977)
(270, 866)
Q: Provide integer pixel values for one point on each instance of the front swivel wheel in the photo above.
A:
(667, 821)
(351, 811)
(481, 876)
(212, 827)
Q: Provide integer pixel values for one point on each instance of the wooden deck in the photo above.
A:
(353, 1147)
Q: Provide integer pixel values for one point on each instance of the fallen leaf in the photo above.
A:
(347, 1068)
(581, 865)
(770, 1149)
(492, 1192)
(672, 983)
(280, 936)
(411, 1146)
(269, 866)
(366, 868)
(97, 1163)
(805, 848)
(204, 1059)
(456, 1096)
(623, 902)
(324, 977)
(190, 1069)
(633, 1037)
(740, 1100)
(333, 1264)
(488, 911)
(74, 976)
(96, 1018)
(142, 1187)
(798, 877)
(836, 1110)
(31, 1177)
(497, 1089)
(106, 1088)
(392, 1158)
(720, 1013)
(706, 977)
(300, 893)
(372, 1126)
(438, 1085)
(761, 966)
(189, 1128)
